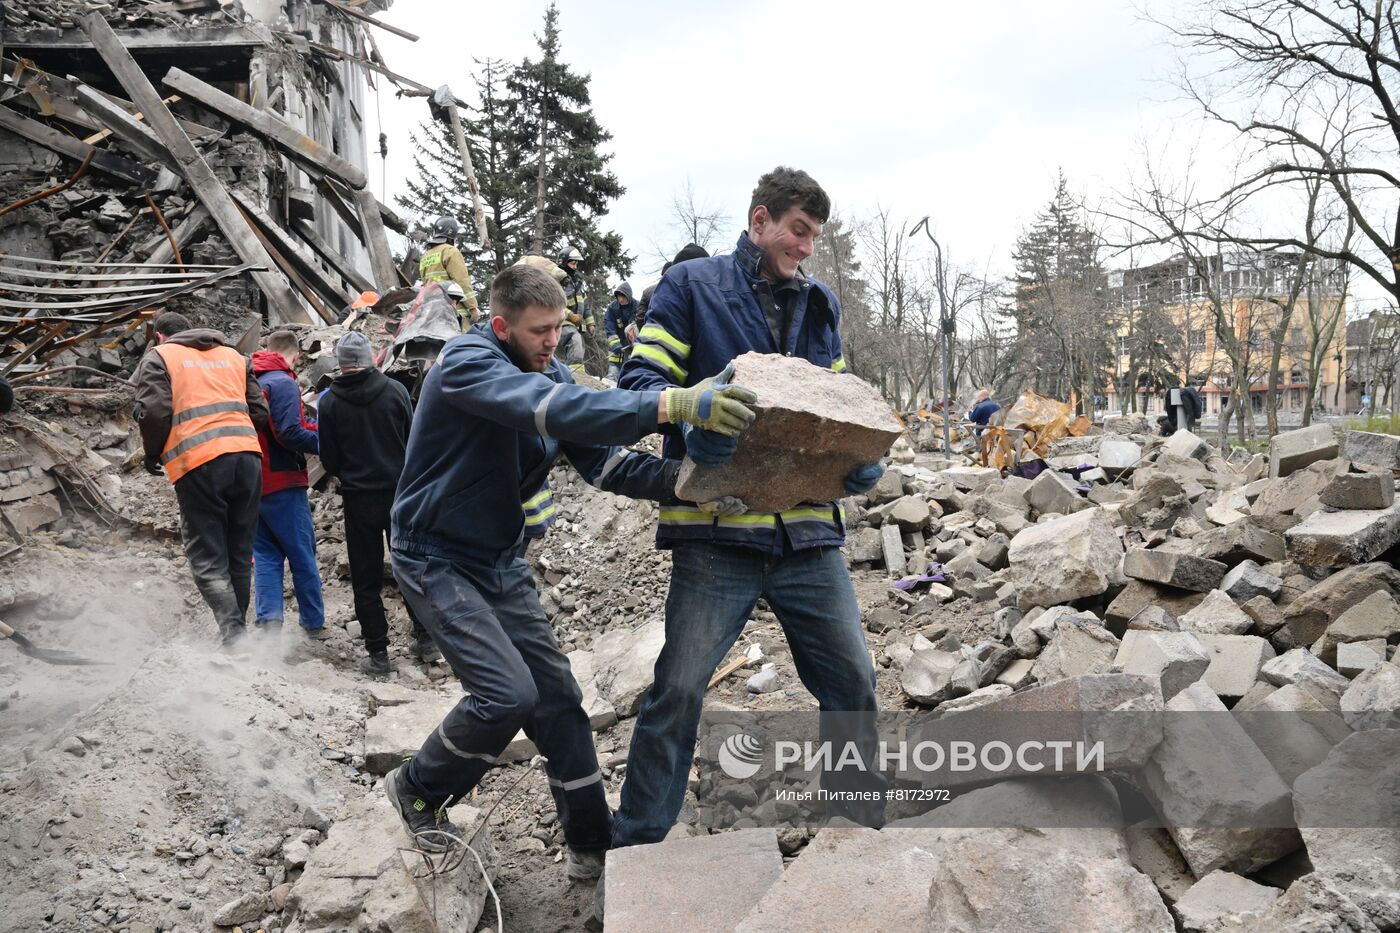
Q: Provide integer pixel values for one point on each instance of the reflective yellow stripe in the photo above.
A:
(808, 514)
(540, 518)
(661, 358)
(539, 498)
(750, 520)
(839, 364)
(658, 333)
(681, 515)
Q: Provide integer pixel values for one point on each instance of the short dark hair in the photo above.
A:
(283, 340)
(171, 323)
(784, 188)
(518, 287)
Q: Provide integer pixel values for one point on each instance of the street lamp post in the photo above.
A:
(945, 322)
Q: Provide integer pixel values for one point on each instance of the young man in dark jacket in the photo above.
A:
(616, 319)
(285, 532)
(362, 426)
(200, 408)
(496, 407)
(706, 312)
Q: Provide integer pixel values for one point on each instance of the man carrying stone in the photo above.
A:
(493, 415)
(704, 313)
(199, 408)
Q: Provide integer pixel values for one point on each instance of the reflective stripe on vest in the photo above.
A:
(209, 407)
(432, 268)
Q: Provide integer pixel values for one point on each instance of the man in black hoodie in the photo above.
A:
(364, 420)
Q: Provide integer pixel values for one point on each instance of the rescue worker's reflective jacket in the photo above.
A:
(704, 313)
(196, 399)
(485, 432)
(444, 263)
(576, 301)
(616, 319)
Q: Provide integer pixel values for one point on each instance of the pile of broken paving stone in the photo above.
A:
(1135, 573)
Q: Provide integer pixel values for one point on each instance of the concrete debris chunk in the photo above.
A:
(1223, 897)
(1240, 541)
(726, 877)
(1077, 647)
(910, 513)
(1173, 568)
(931, 676)
(1177, 659)
(1310, 613)
(1373, 699)
(1359, 491)
(1373, 450)
(1292, 493)
(1154, 619)
(1217, 614)
(1140, 595)
(1312, 904)
(1117, 457)
(1375, 617)
(1053, 492)
(1335, 539)
(1357, 656)
(1293, 450)
(892, 549)
(1222, 801)
(1348, 809)
(1235, 661)
(360, 878)
(1293, 729)
(1301, 666)
(1065, 559)
(1153, 853)
(1186, 445)
(1160, 503)
(1247, 580)
(813, 427)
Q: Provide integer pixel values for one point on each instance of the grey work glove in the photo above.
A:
(724, 507)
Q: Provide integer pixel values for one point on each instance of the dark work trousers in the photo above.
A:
(487, 621)
(366, 530)
(218, 518)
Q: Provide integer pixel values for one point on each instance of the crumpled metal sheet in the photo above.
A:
(1027, 429)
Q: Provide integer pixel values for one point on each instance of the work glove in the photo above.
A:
(724, 507)
(153, 467)
(631, 333)
(863, 478)
(714, 405)
(708, 448)
(576, 320)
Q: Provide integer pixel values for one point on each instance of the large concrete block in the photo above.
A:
(1216, 615)
(813, 427)
(1373, 699)
(1055, 492)
(1186, 445)
(1139, 596)
(1293, 493)
(1235, 661)
(1293, 729)
(1076, 647)
(1293, 450)
(1376, 616)
(1309, 615)
(1238, 542)
(1359, 491)
(1247, 580)
(1173, 568)
(1223, 897)
(1153, 853)
(1177, 659)
(396, 732)
(1160, 503)
(1221, 800)
(931, 676)
(623, 662)
(1065, 559)
(699, 883)
(1117, 457)
(1300, 666)
(1335, 539)
(1348, 809)
(1376, 450)
(851, 879)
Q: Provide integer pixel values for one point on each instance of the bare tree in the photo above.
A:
(1310, 86)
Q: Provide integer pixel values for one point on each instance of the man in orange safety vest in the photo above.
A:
(199, 407)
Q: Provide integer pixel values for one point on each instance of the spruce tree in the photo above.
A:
(562, 170)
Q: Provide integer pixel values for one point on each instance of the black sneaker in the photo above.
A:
(377, 664)
(426, 825)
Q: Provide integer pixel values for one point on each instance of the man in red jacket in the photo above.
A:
(285, 533)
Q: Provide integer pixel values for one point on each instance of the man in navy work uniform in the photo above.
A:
(497, 406)
(704, 313)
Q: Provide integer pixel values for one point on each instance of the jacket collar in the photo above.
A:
(749, 255)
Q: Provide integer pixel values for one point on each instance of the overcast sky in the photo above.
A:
(962, 111)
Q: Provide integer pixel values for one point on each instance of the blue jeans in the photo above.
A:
(487, 621)
(714, 588)
(286, 536)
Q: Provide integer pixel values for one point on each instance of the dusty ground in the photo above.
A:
(146, 793)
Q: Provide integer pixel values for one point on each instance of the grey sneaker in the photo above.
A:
(585, 866)
(427, 826)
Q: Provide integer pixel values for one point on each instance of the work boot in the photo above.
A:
(233, 639)
(377, 664)
(585, 865)
(425, 824)
(320, 633)
(595, 922)
(425, 651)
(267, 626)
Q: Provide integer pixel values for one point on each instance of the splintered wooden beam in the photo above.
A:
(381, 261)
(366, 18)
(283, 305)
(323, 282)
(109, 163)
(332, 257)
(288, 138)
